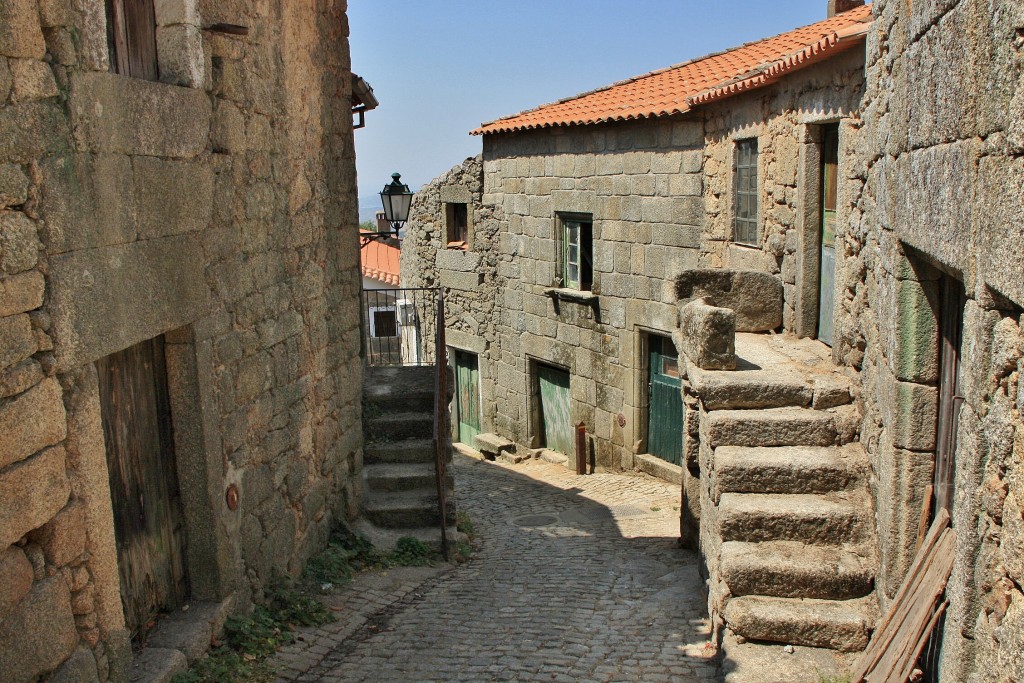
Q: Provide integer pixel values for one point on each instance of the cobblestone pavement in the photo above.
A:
(574, 579)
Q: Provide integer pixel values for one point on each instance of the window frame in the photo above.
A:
(458, 235)
(125, 40)
(583, 243)
(746, 229)
(373, 322)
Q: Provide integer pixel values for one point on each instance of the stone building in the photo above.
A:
(179, 277)
(930, 292)
(856, 190)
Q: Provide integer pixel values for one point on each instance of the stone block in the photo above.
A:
(169, 12)
(20, 377)
(5, 80)
(63, 537)
(756, 297)
(15, 579)
(32, 130)
(913, 346)
(17, 340)
(910, 411)
(228, 134)
(40, 634)
(707, 335)
(21, 293)
(172, 197)
(461, 281)
(84, 203)
(32, 80)
(80, 667)
(110, 113)
(105, 300)
(19, 242)
(180, 48)
(21, 34)
(13, 183)
(31, 493)
(458, 261)
(32, 421)
(157, 665)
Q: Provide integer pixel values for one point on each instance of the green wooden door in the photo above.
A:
(665, 408)
(467, 396)
(555, 417)
(829, 193)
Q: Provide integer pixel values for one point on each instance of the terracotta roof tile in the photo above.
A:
(380, 262)
(677, 89)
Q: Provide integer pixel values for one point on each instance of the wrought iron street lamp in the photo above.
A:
(397, 199)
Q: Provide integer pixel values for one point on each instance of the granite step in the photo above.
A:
(790, 569)
(733, 389)
(401, 477)
(387, 390)
(399, 426)
(843, 625)
(783, 427)
(789, 469)
(398, 452)
(759, 662)
(402, 510)
(828, 519)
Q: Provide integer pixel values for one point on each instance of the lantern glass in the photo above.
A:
(396, 199)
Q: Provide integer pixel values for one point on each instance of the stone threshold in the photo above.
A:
(178, 640)
(656, 467)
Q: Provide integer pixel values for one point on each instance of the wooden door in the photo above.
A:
(555, 415)
(148, 521)
(467, 396)
(829, 193)
(665, 401)
(951, 324)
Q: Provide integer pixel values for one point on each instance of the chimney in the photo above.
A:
(839, 6)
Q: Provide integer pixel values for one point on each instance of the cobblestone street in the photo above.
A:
(574, 579)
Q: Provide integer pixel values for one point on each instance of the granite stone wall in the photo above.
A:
(216, 208)
(936, 192)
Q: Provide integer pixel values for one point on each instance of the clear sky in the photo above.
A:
(440, 68)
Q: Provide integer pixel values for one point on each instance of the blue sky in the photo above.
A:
(442, 67)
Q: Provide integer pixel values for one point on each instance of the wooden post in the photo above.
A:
(581, 448)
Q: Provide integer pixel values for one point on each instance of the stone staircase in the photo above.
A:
(399, 484)
(787, 527)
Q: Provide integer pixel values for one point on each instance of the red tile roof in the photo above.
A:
(380, 262)
(679, 88)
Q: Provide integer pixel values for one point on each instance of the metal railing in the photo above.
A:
(442, 426)
(398, 326)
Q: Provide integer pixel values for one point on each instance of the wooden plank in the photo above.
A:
(140, 20)
(885, 630)
(926, 511)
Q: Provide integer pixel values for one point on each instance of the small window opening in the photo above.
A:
(577, 254)
(131, 38)
(457, 222)
(745, 196)
(383, 322)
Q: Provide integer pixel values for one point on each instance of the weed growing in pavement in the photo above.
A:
(464, 524)
(412, 552)
(840, 678)
(250, 640)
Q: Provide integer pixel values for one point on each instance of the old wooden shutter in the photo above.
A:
(131, 26)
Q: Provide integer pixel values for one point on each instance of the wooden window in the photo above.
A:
(457, 222)
(577, 246)
(131, 38)
(745, 196)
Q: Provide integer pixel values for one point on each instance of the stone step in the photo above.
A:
(731, 389)
(387, 539)
(398, 452)
(789, 469)
(810, 518)
(402, 510)
(399, 389)
(399, 426)
(402, 477)
(790, 569)
(843, 625)
(783, 427)
(759, 662)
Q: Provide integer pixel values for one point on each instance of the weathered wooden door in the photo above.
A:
(467, 396)
(555, 416)
(665, 401)
(951, 330)
(148, 521)
(829, 193)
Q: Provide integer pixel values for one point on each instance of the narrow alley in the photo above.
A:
(573, 579)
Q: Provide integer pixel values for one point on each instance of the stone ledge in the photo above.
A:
(574, 295)
(492, 445)
(656, 467)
